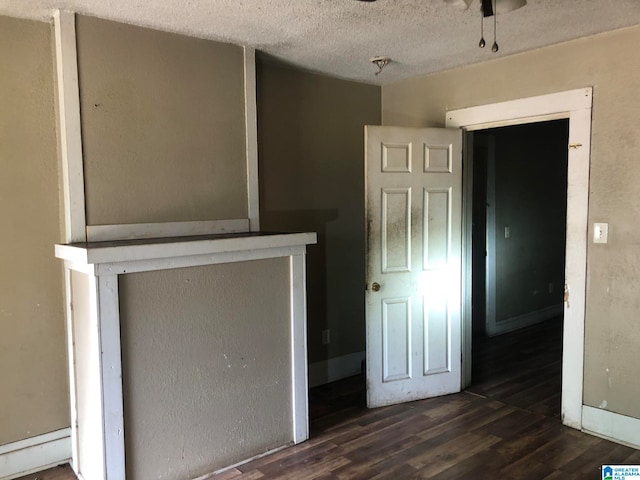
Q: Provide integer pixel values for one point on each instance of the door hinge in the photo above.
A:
(566, 295)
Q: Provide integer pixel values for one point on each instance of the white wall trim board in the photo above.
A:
(91, 460)
(251, 119)
(576, 106)
(111, 376)
(70, 127)
(133, 231)
(72, 175)
(71, 362)
(299, 400)
(327, 371)
(612, 426)
(526, 319)
(524, 110)
(118, 268)
(35, 454)
(133, 251)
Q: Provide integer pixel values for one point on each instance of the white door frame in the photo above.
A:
(574, 105)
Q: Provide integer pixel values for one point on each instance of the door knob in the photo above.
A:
(375, 287)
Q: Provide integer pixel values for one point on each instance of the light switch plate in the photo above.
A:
(600, 232)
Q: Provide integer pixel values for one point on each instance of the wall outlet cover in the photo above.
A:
(600, 232)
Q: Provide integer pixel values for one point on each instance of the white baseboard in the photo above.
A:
(336, 368)
(612, 426)
(526, 320)
(35, 454)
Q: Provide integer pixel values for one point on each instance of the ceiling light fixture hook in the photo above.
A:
(380, 62)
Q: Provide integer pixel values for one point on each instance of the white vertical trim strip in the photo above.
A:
(576, 266)
(299, 349)
(71, 362)
(70, 127)
(575, 105)
(91, 459)
(251, 119)
(111, 372)
(72, 181)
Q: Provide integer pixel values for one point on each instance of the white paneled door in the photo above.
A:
(414, 220)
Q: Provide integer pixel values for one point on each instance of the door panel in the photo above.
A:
(396, 339)
(413, 257)
(396, 230)
(437, 227)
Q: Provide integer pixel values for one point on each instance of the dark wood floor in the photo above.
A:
(521, 368)
(505, 426)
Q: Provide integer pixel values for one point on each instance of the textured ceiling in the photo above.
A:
(338, 37)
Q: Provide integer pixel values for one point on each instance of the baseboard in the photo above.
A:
(35, 454)
(336, 368)
(526, 320)
(612, 426)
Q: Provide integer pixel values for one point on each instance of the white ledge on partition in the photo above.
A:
(129, 256)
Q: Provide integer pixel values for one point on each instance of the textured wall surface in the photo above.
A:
(311, 146)
(162, 125)
(207, 366)
(606, 62)
(33, 369)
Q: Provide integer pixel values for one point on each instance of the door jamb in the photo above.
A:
(576, 106)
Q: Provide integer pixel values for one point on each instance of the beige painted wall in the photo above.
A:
(33, 371)
(206, 366)
(311, 151)
(162, 125)
(608, 63)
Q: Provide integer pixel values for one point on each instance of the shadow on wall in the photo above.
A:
(309, 221)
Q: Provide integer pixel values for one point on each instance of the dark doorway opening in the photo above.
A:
(518, 254)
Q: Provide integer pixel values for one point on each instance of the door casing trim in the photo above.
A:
(574, 105)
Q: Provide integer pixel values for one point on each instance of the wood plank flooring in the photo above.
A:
(521, 368)
(505, 426)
